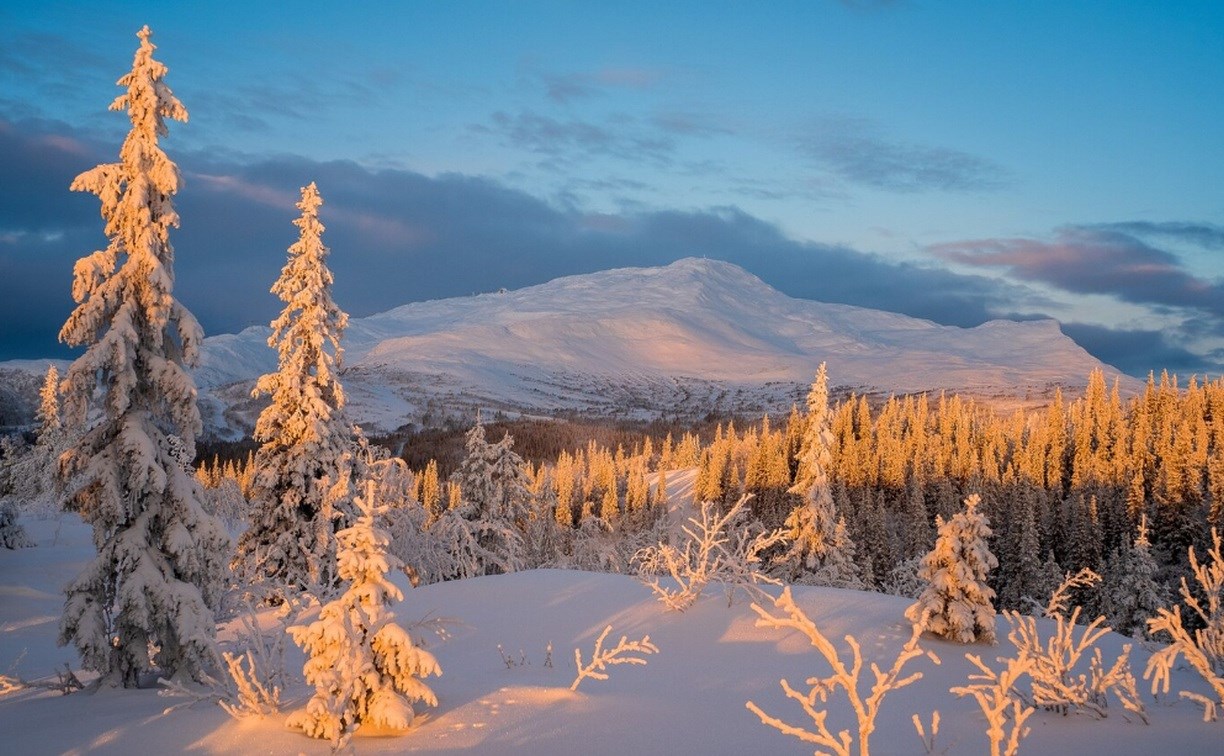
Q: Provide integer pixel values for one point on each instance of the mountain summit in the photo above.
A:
(693, 337)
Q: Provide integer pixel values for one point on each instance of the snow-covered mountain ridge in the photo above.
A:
(690, 338)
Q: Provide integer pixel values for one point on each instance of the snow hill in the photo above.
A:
(689, 698)
(690, 338)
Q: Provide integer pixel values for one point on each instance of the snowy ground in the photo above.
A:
(689, 699)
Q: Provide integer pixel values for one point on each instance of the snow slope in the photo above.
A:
(689, 699)
(693, 337)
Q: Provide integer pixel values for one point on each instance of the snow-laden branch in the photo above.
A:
(847, 678)
(996, 697)
(602, 658)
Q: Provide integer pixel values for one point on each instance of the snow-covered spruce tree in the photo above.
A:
(496, 500)
(29, 475)
(12, 534)
(957, 602)
(291, 543)
(1132, 592)
(52, 441)
(366, 669)
(820, 551)
(147, 598)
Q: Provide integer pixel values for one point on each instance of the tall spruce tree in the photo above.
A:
(819, 544)
(297, 508)
(146, 600)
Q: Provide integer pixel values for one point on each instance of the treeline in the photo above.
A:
(1065, 487)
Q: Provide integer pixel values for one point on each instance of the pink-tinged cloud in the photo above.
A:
(1093, 260)
(382, 230)
(255, 192)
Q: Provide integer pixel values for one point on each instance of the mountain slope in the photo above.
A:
(689, 338)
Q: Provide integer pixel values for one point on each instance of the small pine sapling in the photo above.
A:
(866, 708)
(1204, 648)
(716, 548)
(365, 668)
(602, 658)
(956, 603)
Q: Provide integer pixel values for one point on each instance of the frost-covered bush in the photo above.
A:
(257, 673)
(957, 603)
(903, 580)
(723, 549)
(226, 502)
(366, 669)
(866, 704)
(1203, 648)
(1067, 670)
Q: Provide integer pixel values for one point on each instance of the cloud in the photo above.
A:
(852, 149)
(1094, 260)
(572, 139)
(1138, 352)
(398, 236)
(565, 88)
(1204, 235)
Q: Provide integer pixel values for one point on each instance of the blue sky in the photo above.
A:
(954, 161)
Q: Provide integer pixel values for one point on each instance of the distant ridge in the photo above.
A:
(687, 339)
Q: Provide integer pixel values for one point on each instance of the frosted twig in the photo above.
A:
(601, 658)
(865, 708)
(928, 741)
(1060, 599)
(996, 698)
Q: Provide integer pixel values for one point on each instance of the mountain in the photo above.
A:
(690, 338)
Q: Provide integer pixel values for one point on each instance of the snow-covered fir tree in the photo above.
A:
(30, 474)
(12, 533)
(366, 669)
(295, 514)
(957, 601)
(496, 501)
(821, 549)
(52, 435)
(1132, 594)
(147, 598)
